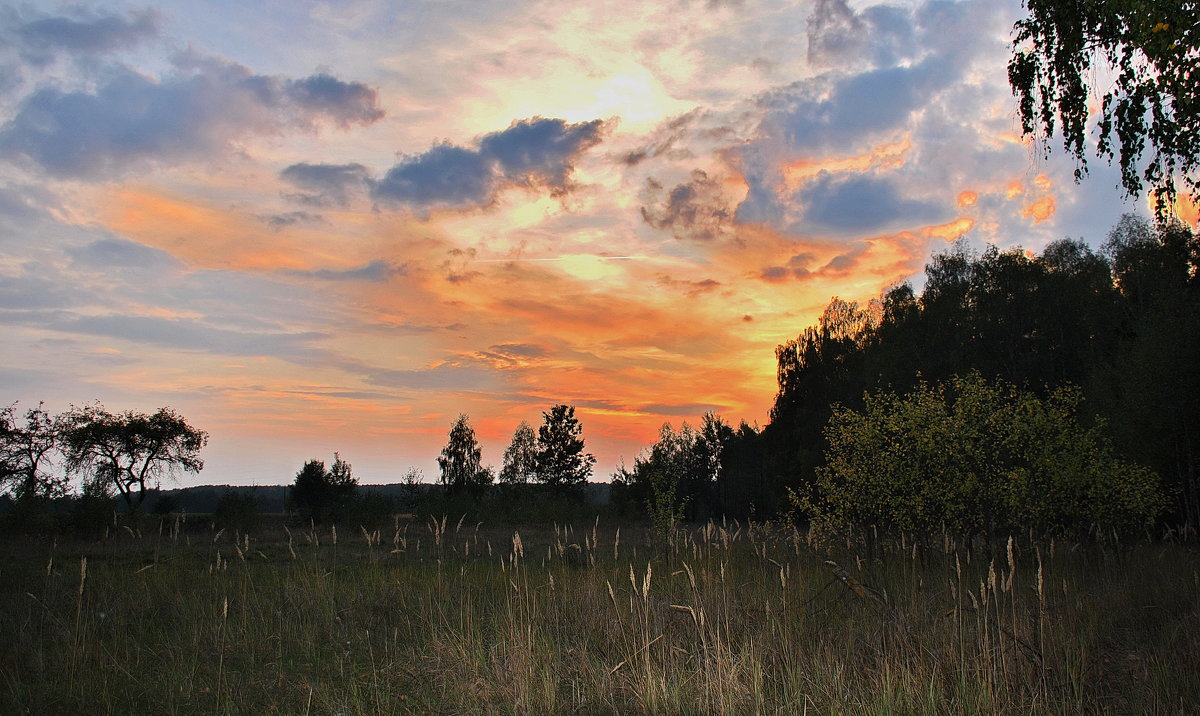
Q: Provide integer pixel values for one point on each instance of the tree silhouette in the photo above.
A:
(561, 461)
(460, 461)
(130, 450)
(520, 458)
(1123, 323)
(24, 453)
(323, 495)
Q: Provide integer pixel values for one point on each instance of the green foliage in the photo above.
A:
(460, 461)
(1150, 110)
(1151, 388)
(665, 506)
(561, 461)
(679, 475)
(976, 456)
(1122, 323)
(323, 495)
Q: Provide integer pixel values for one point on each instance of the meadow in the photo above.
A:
(446, 616)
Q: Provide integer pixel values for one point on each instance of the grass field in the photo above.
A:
(445, 617)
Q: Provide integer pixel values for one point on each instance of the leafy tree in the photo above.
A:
(520, 458)
(25, 452)
(1151, 107)
(130, 450)
(322, 495)
(460, 461)
(310, 490)
(1151, 385)
(976, 456)
(561, 461)
(680, 473)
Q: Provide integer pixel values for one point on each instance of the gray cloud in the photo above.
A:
(445, 175)
(122, 252)
(278, 222)
(518, 350)
(375, 271)
(83, 32)
(693, 210)
(26, 202)
(834, 32)
(178, 334)
(859, 203)
(345, 103)
(816, 115)
(444, 377)
(881, 35)
(907, 77)
(325, 184)
(691, 288)
(666, 140)
(24, 292)
(775, 274)
(536, 152)
(680, 410)
(131, 120)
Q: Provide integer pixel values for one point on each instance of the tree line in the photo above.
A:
(553, 458)
(1054, 390)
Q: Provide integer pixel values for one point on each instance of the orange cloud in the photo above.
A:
(952, 230)
(1014, 189)
(208, 236)
(1186, 208)
(967, 198)
(885, 156)
(1040, 210)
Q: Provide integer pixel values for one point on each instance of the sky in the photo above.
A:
(335, 226)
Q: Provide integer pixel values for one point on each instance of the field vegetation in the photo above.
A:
(443, 615)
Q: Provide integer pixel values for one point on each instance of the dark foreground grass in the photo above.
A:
(726, 619)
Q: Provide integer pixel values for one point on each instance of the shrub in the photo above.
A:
(975, 456)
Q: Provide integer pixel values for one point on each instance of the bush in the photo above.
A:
(974, 457)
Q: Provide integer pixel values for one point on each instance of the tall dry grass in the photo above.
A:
(447, 617)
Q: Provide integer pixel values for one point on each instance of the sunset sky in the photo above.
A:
(320, 226)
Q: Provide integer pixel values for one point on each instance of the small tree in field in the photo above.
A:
(130, 450)
(976, 457)
(561, 461)
(322, 495)
(460, 461)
